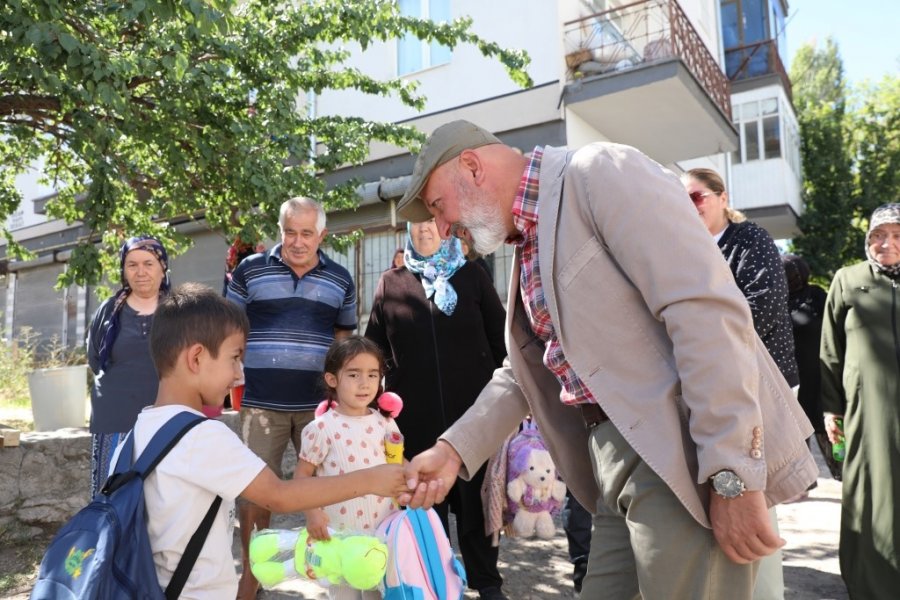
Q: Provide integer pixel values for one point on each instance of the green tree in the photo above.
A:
(820, 97)
(140, 109)
(850, 147)
(875, 145)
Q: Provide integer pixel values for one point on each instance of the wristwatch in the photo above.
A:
(727, 484)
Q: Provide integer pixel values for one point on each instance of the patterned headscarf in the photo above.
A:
(884, 214)
(436, 270)
(154, 247)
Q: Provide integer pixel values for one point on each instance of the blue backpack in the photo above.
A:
(103, 552)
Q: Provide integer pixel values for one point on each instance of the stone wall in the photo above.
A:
(46, 479)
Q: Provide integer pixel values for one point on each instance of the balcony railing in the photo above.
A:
(754, 60)
(641, 33)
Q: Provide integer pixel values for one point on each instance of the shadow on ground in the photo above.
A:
(804, 583)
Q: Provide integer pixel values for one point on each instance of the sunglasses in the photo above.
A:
(696, 197)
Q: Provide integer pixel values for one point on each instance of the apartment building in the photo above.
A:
(656, 74)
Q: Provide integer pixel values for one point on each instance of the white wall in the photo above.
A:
(469, 77)
(764, 183)
(28, 185)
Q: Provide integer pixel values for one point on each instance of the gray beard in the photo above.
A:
(485, 227)
(486, 239)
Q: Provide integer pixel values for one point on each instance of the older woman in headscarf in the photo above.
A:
(440, 324)
(118, 344)
(860, 357)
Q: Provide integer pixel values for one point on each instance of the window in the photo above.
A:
(414, 54)
(366, 261)
(771, 137)
(760, 126)
(751, 140)
(745, 26)
(778, 30)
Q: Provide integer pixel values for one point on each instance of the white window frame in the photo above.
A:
(739, 122)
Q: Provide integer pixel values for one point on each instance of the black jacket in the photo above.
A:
(754, 260)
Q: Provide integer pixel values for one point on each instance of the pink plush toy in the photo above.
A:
(534, 492)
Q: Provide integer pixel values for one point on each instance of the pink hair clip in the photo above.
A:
(390, 402)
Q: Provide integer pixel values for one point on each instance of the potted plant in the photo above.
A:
(58, 384)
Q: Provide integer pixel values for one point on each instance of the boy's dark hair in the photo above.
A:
(192, 314)
(343, 351)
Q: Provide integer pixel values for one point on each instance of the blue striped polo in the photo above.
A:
(292, 323)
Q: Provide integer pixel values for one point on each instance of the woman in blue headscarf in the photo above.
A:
(440, 324)
(118, 346)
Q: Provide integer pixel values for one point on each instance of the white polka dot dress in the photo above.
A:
(338, 444)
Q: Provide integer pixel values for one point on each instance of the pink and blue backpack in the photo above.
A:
(421, 564)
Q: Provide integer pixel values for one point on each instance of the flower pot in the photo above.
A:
(58, 397)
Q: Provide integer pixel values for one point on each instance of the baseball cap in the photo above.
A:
(445, 143)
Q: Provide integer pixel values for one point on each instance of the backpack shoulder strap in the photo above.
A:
(164, 440)
(192, 552)
(160, 445)
(431, 555)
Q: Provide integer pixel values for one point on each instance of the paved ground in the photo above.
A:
(539, 570)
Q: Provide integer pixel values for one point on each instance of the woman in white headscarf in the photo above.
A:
(860, 356)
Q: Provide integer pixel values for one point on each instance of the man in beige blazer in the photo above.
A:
(673, 425)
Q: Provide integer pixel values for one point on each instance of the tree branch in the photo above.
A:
(11, 104)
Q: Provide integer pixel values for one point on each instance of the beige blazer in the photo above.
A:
(650, 318)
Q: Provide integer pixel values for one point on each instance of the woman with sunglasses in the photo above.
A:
(756, 264)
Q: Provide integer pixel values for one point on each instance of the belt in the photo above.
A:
(592, 414)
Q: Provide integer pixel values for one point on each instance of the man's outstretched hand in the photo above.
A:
(430, 475)
(742, 526)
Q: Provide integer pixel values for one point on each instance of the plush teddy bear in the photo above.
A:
(534, 492)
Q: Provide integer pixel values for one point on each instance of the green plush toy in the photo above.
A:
(280, 554)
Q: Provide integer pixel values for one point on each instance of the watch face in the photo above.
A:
(727, 484)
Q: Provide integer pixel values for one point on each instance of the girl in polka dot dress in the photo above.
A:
(348, 434)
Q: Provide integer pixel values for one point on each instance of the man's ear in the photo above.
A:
(193, 355)
(472, 167)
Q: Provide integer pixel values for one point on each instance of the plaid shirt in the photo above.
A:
(525, 218)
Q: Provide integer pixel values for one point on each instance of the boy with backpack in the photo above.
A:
(197, 342)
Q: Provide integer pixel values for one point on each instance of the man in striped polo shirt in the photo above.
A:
(298, 301)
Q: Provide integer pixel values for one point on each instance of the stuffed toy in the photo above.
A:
(280, 554)
(535, 493)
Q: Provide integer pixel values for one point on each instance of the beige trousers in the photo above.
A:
(770, 578)
(645, 544)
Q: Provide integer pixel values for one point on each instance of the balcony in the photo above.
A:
(640, 74)
(756, 60)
